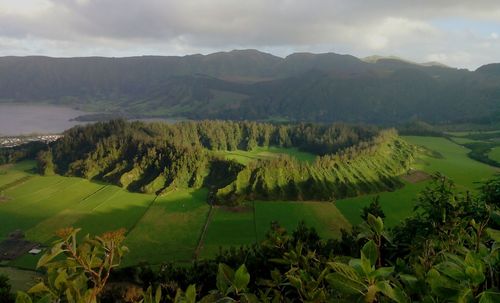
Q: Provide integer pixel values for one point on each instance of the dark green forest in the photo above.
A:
(248, 84)
(159, 157)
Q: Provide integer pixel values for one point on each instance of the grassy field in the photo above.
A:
(165, 229)
(494, 154)
(229, 228)
(20, 279)
(247, 225)
(170, 229)
(10, 172)
(244, 157)
(454, 162)
(323, 216)
(440, 155)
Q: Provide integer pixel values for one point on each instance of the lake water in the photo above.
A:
(27, 119)
(45, 119)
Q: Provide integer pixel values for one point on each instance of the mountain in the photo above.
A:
(248, 84)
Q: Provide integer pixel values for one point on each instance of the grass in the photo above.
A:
(170, 229)
(229, 228)
(164, 230)
(455, 163)
(20, 280)
(494, 154)
(12, 172)
(263, 153)
(441, 155)
(397, 205)
(323, 216)
(248, 225)
(461, 140)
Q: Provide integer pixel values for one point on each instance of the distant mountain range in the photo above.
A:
(248, 84)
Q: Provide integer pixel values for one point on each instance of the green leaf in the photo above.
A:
(39, 288)
(248, 298)
(241, 278)
(465, 296)
(451, 270)
(158, 294)
(393, 292)
(295, 281)
(487, 296)
(23, 297)
(376, 222)
(369, 250)
(345, 285)
(494, 234)
(383, 272)
(225, 277)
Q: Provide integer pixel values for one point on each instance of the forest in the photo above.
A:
(159, 157)
(253, 85)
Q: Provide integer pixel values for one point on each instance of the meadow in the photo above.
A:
(437, 154)
(250, 224)
(494, 154)
(263, 153)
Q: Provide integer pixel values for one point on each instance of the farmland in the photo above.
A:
(436, 155)
(494, 154)
(263, 153)
(249, 224)
(171, 227)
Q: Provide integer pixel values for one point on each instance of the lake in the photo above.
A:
(27, 119)
(44, 119)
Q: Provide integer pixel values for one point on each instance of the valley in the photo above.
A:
(180, 225)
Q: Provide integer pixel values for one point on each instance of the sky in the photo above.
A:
(458, 33)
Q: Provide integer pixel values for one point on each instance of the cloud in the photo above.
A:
(417, 31)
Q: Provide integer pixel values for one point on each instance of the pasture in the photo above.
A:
(266, 153)
(436, 154)
(163, 229)
(494, 154)
(170, 228)
(250, 224)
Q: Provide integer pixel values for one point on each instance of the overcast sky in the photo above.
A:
(459, 33)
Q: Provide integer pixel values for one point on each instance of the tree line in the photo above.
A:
(159, 157)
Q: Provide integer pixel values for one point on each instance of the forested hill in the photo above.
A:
(249, 84)
(158, 158)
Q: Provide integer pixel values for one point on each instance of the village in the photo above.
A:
(12, 141)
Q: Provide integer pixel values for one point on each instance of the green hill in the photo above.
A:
(248, 84)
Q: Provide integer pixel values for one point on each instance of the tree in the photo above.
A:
(374, 208)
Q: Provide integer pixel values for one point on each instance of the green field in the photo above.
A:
(9, 173)
(20, 279)
(249, 224)
(455, 163)
(494, 154)
(169, 228)
(439, 155)
(263, 153)
(229, 228)
(166, 229)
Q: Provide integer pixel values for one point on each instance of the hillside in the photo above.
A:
(159, 158)
(248, 84)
